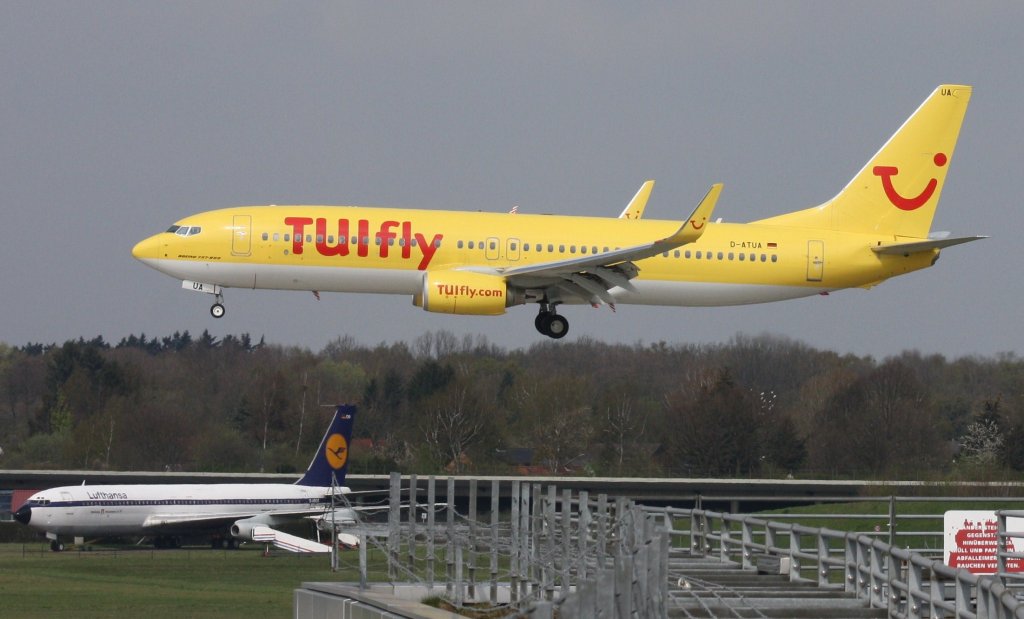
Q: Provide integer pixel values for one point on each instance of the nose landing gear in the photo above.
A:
(217, 309)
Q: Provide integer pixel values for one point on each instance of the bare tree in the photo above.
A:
(452, 422)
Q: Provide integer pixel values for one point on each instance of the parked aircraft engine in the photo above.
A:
(466, 292)
(243, 530)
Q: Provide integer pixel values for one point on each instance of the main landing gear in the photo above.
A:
(551, 324)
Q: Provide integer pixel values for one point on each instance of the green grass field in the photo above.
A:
(35, 582)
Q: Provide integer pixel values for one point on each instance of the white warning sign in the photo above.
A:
(970, 541)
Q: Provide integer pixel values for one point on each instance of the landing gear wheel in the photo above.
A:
(540, 321)
(56, 546)
(551, 325)
(557, 326)
(217, 310)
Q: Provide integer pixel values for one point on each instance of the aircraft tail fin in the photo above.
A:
(332, 456)
(897, 191)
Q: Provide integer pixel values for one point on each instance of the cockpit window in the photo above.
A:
(185, 230)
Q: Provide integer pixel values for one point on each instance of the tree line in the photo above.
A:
(754, 406)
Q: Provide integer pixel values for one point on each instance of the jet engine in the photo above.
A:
(242, 530)
(466, 292)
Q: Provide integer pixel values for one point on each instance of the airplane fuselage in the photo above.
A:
(388, 251)
(105, 511)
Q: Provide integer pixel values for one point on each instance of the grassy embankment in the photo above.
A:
(35, 582)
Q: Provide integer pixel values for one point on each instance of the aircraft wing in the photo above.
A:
(286, 541)
(590, 277)
(212, 521)
(901, 249)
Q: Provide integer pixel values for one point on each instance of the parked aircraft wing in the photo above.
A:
(285, 541)
(206, 520)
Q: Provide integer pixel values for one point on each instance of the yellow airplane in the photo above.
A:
(478, 263)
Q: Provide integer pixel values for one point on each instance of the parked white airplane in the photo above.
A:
(226, 513)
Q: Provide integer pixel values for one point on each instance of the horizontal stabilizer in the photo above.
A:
(903, 249)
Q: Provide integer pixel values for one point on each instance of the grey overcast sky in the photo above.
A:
(118, 118)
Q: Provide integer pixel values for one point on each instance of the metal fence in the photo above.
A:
(542, 550)
(904, 583)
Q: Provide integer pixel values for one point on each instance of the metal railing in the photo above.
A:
(904, 583)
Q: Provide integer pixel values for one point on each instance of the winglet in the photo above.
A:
(694, 226)
(636, 206)
(332, 455)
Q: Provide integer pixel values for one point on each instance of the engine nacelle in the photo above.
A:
(242, 530)
(465, 292)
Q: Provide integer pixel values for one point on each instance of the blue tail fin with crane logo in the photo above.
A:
(332, 456)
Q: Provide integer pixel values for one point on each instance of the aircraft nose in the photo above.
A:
(24, 514)
(146, 249)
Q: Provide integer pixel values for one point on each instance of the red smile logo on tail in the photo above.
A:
(907, 204)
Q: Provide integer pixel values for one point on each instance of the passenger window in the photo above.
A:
(561, 249)
(730, 255)
(265, 236)
(513, 246)
(277, 236)
(595, 249)
(583, 249)
(551, 248)
(320, 239)
(459, 244)
(775, 258)
(437, 243)
(742, 257)
(471, 244)
(763, 257)
(286, 237)
(677, 253)
(698, 255)
(572, 249)
(494, 245)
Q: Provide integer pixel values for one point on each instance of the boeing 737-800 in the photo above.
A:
(477, 263)
(225, 513)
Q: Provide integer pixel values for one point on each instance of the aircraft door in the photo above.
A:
(492, 251)
(241, 235)
(512, 250)
(815, 260)
(67, 499)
